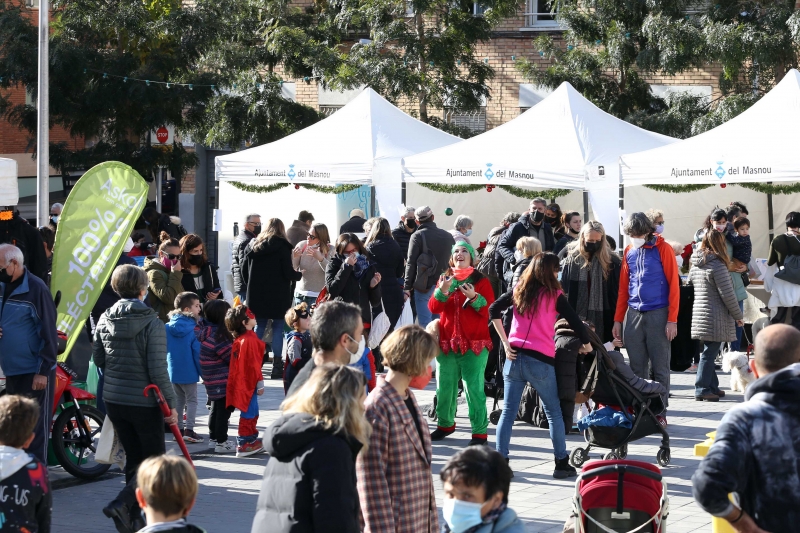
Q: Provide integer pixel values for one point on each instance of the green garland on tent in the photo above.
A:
(678, 188)
(519, 192)
(264, 189)
(338, 189)
(452, 189)
(258, 188)
(768, 188)
(515, 191)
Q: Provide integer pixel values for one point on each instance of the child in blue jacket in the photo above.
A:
(183, 360)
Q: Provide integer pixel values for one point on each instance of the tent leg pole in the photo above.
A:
(622, 208)
(372, 200)
(403, 193)
(585, 206)
(770, 216)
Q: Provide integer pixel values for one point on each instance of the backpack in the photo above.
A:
(427, 267)
(531, 409)
(486, 264)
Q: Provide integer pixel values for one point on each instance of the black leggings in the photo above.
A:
(218, 420)
(141, 432)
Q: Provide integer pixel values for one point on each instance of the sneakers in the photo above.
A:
(478, 441)
(251, 448)
(225, 447)
(212, 444)
(190, 436)
(710, 397)
(692, 369)
(440, 434)
(564, 469)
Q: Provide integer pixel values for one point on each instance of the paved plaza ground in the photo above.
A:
(229, 486)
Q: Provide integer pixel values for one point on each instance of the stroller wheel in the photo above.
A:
(663, 456)
(578, 457)
(622, 451)
(610, 456)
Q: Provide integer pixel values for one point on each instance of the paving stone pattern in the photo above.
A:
(229, 486)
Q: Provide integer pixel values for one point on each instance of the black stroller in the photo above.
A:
(611, 389)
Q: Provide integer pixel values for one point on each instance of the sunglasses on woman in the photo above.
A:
(310, 236)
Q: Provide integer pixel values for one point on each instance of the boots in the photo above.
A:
(564, 469)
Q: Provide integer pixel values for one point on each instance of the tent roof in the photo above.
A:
(560, 142)
(758, 145)
(9, 190)
(339, 149)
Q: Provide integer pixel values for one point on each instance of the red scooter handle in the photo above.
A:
(162, 403)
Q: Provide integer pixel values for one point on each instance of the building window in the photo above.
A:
(32, 4)
(478, 9)
(472, 120)
(328, 110)
(541, 14)
(30, 99)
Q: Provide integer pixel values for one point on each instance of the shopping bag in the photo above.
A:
(92, 378)
(380, 326)
(406, 317)
(109, 448)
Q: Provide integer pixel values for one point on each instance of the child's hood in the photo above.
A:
(12, 460)
(181, 323)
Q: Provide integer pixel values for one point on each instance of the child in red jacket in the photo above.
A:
(245, 382)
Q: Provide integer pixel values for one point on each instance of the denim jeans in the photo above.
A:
(309, 300)
(276, 342)
(424, 314)
(706, 381)
(542, 377)
(737, 344)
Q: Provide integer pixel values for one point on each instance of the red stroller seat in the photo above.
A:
(620, 496)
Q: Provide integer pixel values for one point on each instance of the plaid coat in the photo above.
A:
(394, 475)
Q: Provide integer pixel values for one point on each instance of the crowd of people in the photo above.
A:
(351, 450)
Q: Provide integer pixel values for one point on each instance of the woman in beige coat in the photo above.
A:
(715, 313)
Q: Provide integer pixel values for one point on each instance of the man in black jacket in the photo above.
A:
(252, 227)
(531, 224)
(440, 243)
(355, 224)
(405, 229)
(16, 231)
(756, 451)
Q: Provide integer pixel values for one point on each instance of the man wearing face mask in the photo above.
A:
(336, 336)
(252, 227)
(28, 340)
(476, 483)
(407, 226)
(55, 215)
(656, 216)
(531, 224)
(648, 301)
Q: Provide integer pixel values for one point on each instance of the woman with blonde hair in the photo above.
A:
(590, 278)
(310, 479)
(311, 257)
(527, 247)
(394, 474)
(715, 312)
(268, 272)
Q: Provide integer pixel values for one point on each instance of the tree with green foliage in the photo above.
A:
(609, 47)
(420, 51)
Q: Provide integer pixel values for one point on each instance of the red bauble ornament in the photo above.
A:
(296, 186)
(723, 185)
(488, 188)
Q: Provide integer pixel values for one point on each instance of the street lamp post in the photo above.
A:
(43, 110)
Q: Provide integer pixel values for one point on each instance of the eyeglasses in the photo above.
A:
(311, 236)
(173, 256)
(255, 224)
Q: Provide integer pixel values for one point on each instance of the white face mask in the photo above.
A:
(518, 256)
(356, 356)
(461, 515)
(679, 259)
(637, 242)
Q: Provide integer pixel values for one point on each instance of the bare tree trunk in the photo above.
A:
(422, 95)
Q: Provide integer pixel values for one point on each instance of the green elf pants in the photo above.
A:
(470, 368)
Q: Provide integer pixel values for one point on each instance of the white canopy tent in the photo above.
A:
(758, 145)
(361, 143)
(9, 190)
(564, 141)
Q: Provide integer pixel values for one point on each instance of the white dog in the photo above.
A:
(737, 363)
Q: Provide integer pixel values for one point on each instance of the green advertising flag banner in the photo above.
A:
(94, 226)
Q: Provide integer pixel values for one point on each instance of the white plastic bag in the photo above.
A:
(109, 448)
(380, 326)
(406, 317)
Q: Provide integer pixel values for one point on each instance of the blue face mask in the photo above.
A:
(461, 515)
(468, 232)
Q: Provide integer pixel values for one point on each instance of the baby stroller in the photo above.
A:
(620, 496)
(611, 389)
